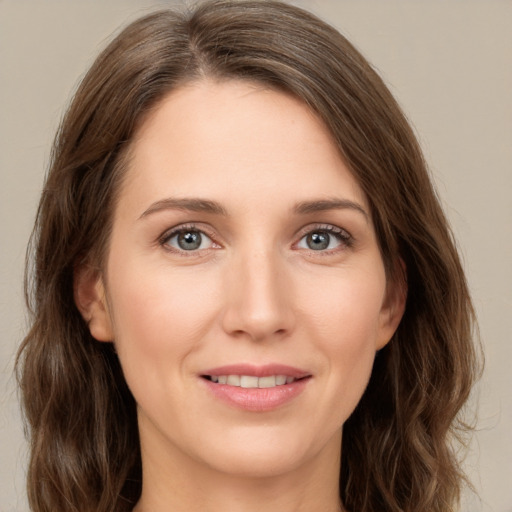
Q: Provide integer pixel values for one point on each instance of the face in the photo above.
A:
(245, 291)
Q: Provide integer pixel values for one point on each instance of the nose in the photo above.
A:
(259, 298)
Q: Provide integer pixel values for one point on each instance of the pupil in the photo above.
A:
(189, 240)
(318, 241)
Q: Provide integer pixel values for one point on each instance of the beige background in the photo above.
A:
(450, 65)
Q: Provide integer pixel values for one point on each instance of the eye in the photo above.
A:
(187, 239)
(325, 239)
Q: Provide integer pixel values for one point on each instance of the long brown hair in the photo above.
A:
(398, 451)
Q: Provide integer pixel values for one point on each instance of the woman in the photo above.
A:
(245, 293)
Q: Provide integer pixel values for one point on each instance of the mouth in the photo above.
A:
(256, 388)
(252, 381)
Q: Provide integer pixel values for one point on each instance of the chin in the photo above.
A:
(266, 463)
(269, 454)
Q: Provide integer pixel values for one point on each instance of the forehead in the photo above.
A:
(210, 137)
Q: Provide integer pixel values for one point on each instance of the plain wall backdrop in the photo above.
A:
(449, 63)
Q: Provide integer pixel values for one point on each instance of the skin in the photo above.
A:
(254, 292)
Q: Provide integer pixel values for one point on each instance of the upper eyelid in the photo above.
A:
(322, 226)
(169, 233)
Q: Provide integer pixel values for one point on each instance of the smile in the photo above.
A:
(256, 388)
(252, 381)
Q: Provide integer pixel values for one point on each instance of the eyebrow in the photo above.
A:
(212, 207)
(187, 204)
(323, 205)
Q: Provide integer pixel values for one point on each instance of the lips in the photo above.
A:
(256, 388)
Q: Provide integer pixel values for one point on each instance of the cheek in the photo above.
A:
(346, 317)
(347, 308)
(158, 317)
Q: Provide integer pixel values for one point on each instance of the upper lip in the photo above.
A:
(257, 370)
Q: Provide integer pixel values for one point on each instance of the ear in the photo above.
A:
(393, 307)
(90, 299)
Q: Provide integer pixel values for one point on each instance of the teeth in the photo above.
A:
(247, 381)
(250, 381)
(234, 380)
(267, 382)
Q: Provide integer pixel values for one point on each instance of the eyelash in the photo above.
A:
(186, 228)
(344, 238)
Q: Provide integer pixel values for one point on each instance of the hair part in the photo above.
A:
(397, 445)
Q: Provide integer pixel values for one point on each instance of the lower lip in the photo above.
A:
(257, 399)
